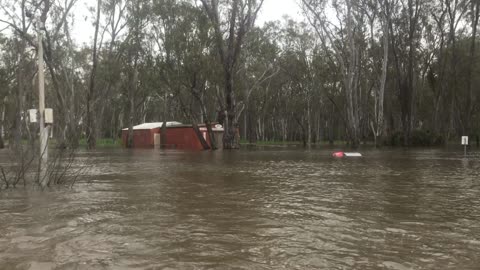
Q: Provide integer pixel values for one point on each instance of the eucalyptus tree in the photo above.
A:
(344, 37)
(136, 22)
(404, 22)
(109, 17)
(259, 73)
(375, 10)
(53, 17)
(471, 107)
(7, 79)
(60, 58)
(91, 125)
(110, 73)
(437, 73)
(194, 57)
(299, 51)
(14, 15)
(184, 58)
(238, 16)
(50, 20)
(456, 10)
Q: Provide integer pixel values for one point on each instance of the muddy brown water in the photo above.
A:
(273, 208)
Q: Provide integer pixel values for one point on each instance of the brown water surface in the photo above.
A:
(276, 208)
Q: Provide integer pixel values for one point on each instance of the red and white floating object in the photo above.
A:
(346, 154)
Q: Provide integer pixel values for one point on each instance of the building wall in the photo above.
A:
(143, 138)
(177, 138)
(183, 138)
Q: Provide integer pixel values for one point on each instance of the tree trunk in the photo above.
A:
(475, 9)
(211, 135)
(380, 125)
(318, 130)
(132, 91)
(21, 79)
(251, 125)
(309, 124)
(2, 125)
(350, 81)
(374, 134)
(198, 91)
(245, 121)
(200, 137)
(230, 135)
(163, 130)
(91, 123)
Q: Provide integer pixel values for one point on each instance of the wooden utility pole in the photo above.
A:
(41, 110)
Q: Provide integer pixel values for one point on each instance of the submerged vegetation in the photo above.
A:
(62, 169)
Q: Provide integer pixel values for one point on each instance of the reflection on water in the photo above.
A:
(268, 209)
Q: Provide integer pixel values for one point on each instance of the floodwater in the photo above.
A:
(274, 208)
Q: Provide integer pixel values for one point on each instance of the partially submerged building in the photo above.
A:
(178, 136)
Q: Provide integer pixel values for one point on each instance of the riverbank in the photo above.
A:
(104, 142)
(112, 143)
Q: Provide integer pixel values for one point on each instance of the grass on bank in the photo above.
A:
(289, 143)
(104, 142)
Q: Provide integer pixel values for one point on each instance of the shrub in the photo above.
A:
(397, 139)
(419, 137)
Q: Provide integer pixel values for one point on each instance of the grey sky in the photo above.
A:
(276, 9)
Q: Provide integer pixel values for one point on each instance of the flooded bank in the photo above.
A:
(276, 208)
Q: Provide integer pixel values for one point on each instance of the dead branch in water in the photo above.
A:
(63, 169)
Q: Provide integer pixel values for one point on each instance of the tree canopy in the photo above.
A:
(388, 71)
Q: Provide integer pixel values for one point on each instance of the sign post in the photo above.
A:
(465, 144)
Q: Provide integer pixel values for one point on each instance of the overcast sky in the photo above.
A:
(271, 10)
(275, 9)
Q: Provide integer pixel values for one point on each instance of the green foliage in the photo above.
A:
(289, 79)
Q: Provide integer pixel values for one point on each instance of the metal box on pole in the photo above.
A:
(32, 116)
(48, 116)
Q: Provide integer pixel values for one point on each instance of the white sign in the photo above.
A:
(464, 140)
(32, 115)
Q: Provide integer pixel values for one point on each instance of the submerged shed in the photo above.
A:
(178, 136)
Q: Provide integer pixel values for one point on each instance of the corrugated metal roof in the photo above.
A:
(154, 125)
